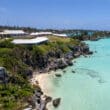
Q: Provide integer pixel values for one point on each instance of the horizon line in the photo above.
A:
(48, 28)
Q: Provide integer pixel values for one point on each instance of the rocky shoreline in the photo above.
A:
(21, 61)
(60, 60)
(39, 99)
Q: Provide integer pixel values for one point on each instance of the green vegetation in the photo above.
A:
(13, 94)
(17, 59)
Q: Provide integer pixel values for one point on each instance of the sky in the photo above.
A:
(56, 14)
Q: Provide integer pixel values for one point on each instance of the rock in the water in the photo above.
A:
(70, 63)
(64, 71)
(56, 102)
(73, 71)
(48, 99)
(58, 75)
(90, 53)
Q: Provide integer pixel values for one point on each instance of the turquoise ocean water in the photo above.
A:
(89, 87)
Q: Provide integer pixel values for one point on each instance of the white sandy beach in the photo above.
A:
(43, 82)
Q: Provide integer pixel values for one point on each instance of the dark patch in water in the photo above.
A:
(64, 71)
(91, 73)
(73, 71)
(101, 81)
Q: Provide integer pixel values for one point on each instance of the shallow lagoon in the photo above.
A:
(89, 87)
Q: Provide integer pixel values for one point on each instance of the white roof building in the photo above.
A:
(47, 33)
(60, 35)
(2, 33)
(15, 32)
(40, 33)
(37, 40)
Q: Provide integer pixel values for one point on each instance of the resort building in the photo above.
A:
(12, 33)
(38, 40)
(40, 34)
(61, 35)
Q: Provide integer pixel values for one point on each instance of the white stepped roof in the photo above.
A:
(2, 33)
(41, 33)
(14, 32)
(30, 41)
(60, 35)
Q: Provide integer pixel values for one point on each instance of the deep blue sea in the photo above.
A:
(89, 87)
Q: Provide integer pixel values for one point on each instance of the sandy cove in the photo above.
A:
(41, 80)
